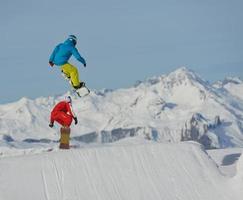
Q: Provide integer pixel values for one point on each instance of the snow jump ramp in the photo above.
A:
(121, 172)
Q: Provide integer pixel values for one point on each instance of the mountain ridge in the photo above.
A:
(164, 105)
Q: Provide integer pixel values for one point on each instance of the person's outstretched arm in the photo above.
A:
(78, 56)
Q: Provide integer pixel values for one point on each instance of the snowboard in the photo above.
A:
(81, 92)
(54, 149)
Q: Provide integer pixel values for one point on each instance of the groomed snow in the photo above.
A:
(122, 172)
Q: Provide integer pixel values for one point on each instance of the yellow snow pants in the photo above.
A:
(71, 72)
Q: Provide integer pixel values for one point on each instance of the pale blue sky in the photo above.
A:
(122, 40)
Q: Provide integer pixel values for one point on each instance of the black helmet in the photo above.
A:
(73, 38)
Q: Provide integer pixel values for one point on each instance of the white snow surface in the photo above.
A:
(227, 160)
(163, 105)
(140, 171)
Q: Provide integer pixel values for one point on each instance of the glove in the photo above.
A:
(84, 64)
(51, 63)
(75, 120)
(51, 125)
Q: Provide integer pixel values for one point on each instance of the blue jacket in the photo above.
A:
(63, 52)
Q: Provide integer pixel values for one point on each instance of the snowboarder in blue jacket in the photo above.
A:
(60, 57)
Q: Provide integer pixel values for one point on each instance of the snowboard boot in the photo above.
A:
(81, 90)
(82, 84)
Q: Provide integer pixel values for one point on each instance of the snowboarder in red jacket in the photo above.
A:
(63, 113)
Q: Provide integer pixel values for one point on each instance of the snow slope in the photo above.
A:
(237, 181)
(174, 107)
(233, 85)
(146, 171)
(226, 159)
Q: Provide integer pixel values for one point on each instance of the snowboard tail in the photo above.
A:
(82, 92)
(65, 137)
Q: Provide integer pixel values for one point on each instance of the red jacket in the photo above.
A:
(65, 107)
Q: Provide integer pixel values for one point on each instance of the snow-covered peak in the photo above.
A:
(183, 72)
(180, 86)
(184, 75)
(180, 75)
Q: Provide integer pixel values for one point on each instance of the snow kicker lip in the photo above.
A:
(138, 172)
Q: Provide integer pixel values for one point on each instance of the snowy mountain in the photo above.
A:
(176, 107)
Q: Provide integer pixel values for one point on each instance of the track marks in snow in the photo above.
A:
(45, 185)
(138, 172)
